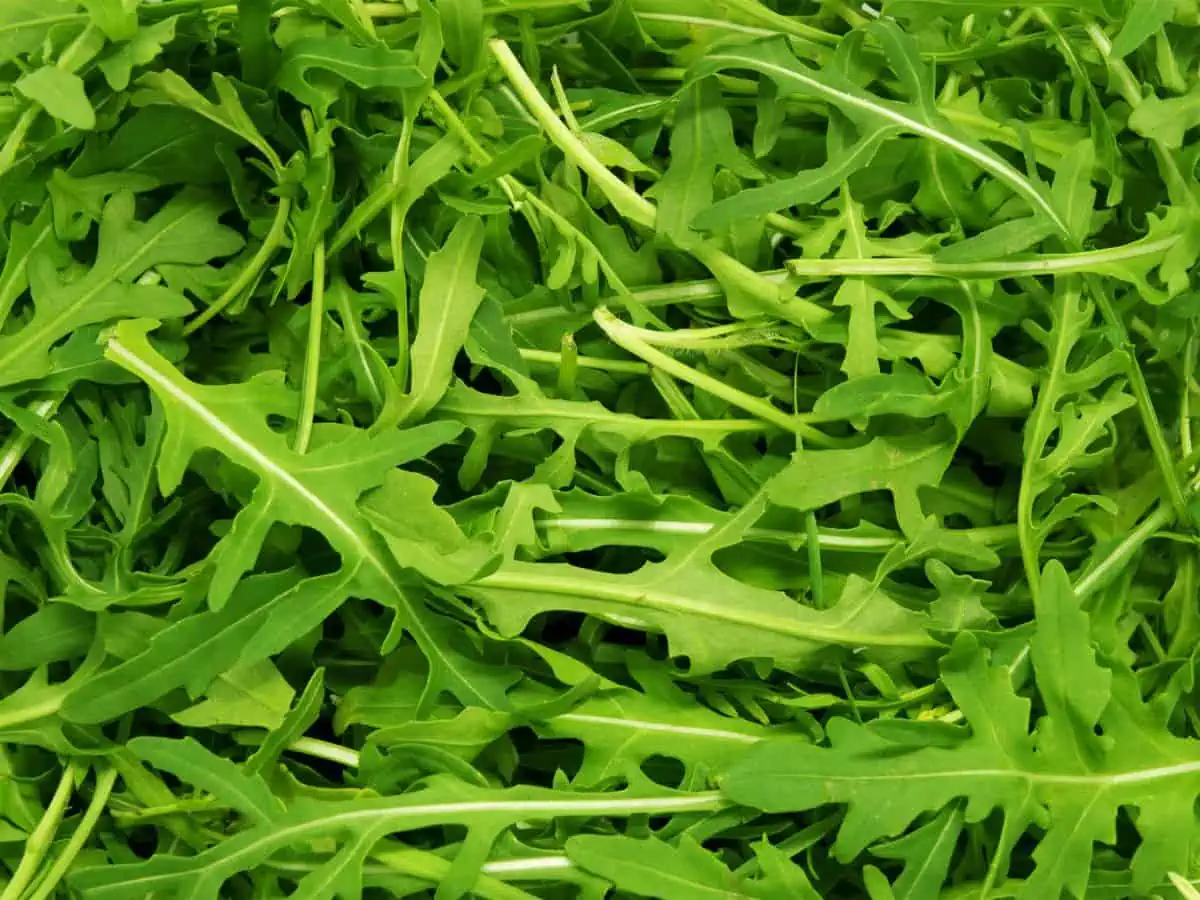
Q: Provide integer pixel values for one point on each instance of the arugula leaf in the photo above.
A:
(731, 449)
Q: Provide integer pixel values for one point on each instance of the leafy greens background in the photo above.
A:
(541, 449)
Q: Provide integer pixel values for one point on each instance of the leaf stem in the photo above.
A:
(87, 824)
(632, 338)
(627, 201)
(1044, 264)
(433, 869)
(39, 841)
(18, 443)
(252, 270)
(312, 355)
(1099, 575)
(334, 753)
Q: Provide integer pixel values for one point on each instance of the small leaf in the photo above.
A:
(189, 761)
(1143, 19)
(61, 94)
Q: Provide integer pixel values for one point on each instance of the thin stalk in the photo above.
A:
(433, 869)
(16, 137)
(628, 202)
(991, 535)
(717, 337)
(1131, 92)
(398, 175)
(270, 244)
(40, 839)
(663, 295)
(19, 442)
(636, 208)
(87, 824)
(632, 338)
(1045, 264)
(334, 753)
(1186, 436)
(568, 365)
(312, 354)
(816, 576)
(1116, 559)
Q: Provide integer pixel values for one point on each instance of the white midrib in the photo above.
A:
(604, 419)
(661, 727)
(1051, 263)
(684, 527)
(24, 339)
(267, 467)
(394, 818)
(654, 596)
(260, 461)
(1099, 780)
(19, 269)
(985, 161)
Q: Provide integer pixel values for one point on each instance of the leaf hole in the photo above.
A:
(664, 770)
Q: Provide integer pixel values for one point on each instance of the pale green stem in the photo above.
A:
(1046, 264)
(1185, 397)
(716, 337)
(397, 176)
(433, 869)
(16, 137)
(816, 575)
(1117, 558)
(19, 442)
(42, 836)
(312, 355)
(270, 244)
(631, 338)
(627, 201)
(663, 295)
(62, 864)
(991, 535)
(1131, 92)
(550, 358)
(335, 753)
(568, 365)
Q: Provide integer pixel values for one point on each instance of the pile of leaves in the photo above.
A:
(552, 449)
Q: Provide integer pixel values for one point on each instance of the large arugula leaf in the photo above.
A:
(320, 489)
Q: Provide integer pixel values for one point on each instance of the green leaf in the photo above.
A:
(901, 465)
(56, 632)
(186, 231)
(653, 868)
(707, 616)
(447, 303)
(320, 489)
(202, 769)
(228, 112)
(364, 67)
(773, 59)
(1142, 19)
(1166, 120)
(141, 48)
(61, 94)
(701, 140)
(293, 726)
(462, 28)
(252, 696)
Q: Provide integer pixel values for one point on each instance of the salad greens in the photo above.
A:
(627, 448)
